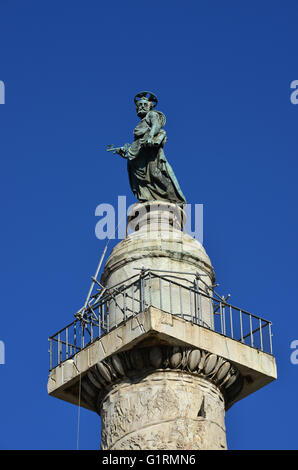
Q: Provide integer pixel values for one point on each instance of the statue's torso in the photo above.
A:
(142, 128)
(141, 133)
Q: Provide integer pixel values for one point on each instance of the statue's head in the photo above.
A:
(145, 101)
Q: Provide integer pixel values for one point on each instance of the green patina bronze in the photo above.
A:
(151, 177)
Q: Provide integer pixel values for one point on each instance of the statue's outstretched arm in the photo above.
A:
(122, 151)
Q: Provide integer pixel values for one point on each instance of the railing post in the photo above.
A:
(150, 288)
(261, 336)
(66, 340)
(124, 305)
(196, 302)
(133, 299)
(75, 335)
(160, 294)
(51, 352)
(270, 337)
(82, 335)
(231, 322)
(59, 351)
(211, 311)
(190, 305)
(251, 334)
(220, 312)
(141, 293)
(101, 319)
(241, 326)
(200, 309)
(107, 315)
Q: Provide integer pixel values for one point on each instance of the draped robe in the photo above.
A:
(150, 175)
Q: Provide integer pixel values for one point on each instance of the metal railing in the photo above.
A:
(168, 292)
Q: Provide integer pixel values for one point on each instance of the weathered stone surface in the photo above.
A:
(165, 410)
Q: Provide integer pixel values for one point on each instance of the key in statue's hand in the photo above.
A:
(122, 151)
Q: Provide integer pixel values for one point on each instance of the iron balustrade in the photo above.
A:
(178, 296)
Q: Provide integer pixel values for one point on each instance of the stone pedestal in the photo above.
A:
(159, 243)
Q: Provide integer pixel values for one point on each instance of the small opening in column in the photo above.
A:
(201, 412)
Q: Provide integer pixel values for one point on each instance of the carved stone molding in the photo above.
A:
(135, 364)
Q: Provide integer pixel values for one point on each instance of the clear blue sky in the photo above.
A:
(222, 72)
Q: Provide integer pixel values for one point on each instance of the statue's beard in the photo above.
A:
(142, 113)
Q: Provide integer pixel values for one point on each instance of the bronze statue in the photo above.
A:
(150, 175)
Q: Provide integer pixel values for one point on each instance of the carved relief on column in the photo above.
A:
(165, 410)
(162, 397)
